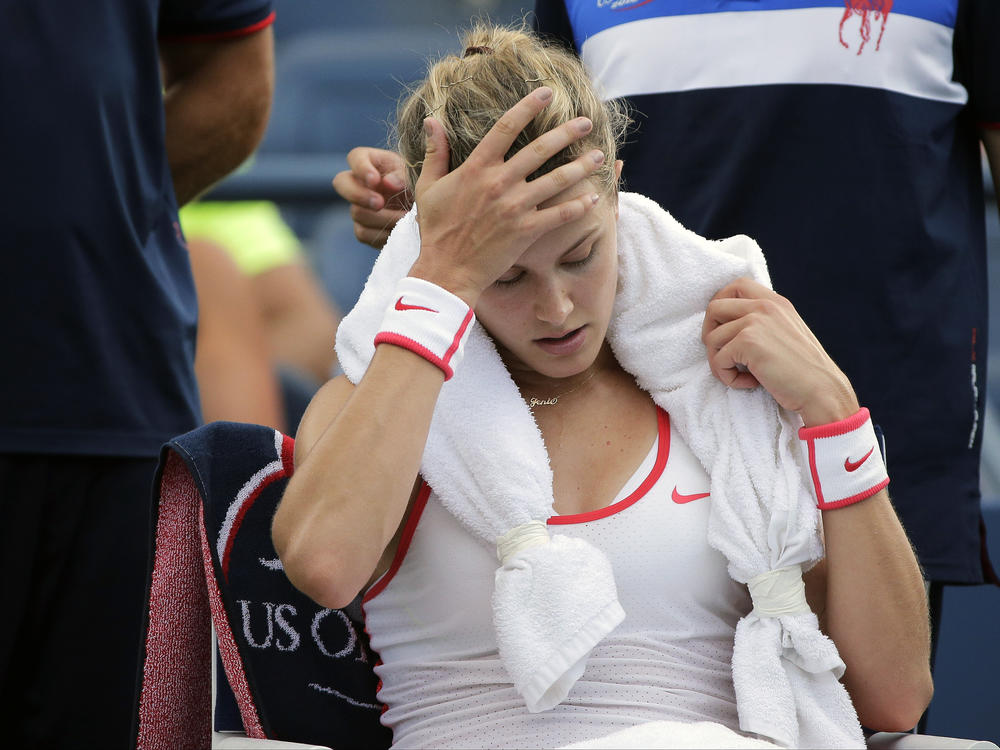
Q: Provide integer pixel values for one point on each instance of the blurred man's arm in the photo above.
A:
(217, 97)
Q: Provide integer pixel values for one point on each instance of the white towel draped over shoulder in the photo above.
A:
(554, 600)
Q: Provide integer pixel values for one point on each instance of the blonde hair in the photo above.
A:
(501, 66)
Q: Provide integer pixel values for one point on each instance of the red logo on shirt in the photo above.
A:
(855, 465)
(400, 305)
(865, 9)
(680, 499)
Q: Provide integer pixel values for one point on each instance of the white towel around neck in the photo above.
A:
(554, 601)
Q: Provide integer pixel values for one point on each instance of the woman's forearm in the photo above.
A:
(876, 612)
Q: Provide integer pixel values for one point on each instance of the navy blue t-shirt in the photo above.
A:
(844, 140)
(98, 299)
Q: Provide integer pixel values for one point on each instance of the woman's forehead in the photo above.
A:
(596, 222)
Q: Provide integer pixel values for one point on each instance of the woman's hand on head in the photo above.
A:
(754, 336)
(476, 221)
(375, 186)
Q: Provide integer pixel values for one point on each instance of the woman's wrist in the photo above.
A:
(449, 279)
(838, 402)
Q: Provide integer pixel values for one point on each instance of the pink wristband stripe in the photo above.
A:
(853, 499)
(396, 339)
(834, 429)
(458, 337)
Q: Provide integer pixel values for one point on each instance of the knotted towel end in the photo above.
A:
(552, 603)
(550, 685)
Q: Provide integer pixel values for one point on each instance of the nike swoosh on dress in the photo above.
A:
(680, 499)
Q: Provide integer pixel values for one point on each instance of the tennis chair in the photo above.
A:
(301, 675)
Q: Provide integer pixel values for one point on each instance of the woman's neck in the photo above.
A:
(543, 390)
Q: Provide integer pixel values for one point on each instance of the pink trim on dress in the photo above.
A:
(404, 544)
(662, 452)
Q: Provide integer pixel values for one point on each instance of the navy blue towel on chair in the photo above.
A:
(299, 672)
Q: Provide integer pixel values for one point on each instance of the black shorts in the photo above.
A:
(75, 540)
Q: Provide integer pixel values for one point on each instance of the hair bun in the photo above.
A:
(482, 50)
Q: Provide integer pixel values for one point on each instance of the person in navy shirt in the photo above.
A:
(115, 113)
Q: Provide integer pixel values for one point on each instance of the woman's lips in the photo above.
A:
(564, 345)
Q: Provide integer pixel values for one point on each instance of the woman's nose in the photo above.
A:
(553, 305)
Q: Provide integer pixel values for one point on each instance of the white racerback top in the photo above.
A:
(430, 620)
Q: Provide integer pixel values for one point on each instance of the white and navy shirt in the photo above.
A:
(843, 137)
(430, 620)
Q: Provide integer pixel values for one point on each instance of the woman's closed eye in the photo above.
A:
(576, 259)
(579, 262)
(510, 278)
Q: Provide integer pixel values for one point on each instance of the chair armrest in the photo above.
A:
(239, 741)
(905, 741)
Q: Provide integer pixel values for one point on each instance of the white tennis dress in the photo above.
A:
(430, 620)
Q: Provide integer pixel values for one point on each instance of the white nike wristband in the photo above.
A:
(429, 321)
(844, 460)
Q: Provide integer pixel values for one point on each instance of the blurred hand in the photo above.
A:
(754, 336)
(375, 186)
(476, 221)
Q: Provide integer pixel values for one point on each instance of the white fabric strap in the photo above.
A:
(844, 461)
(778, 592)
(429, 321)
(525, 536)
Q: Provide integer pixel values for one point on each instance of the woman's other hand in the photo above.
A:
(476, 221)
(754, 336)
(375, 186)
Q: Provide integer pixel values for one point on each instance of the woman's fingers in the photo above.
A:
(558, 180)
(436, 155)
(547, 145)
(723, 310)
(754, 336)
(753, 332)
(497, 142)
(730, 356)
(547, 219)
(490, 154)
(738, 298)
(477, 220)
